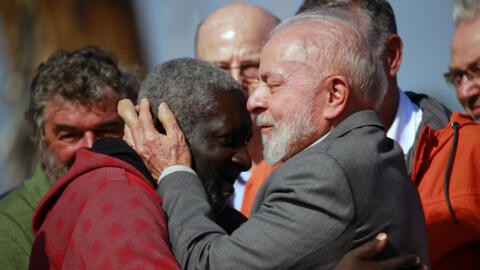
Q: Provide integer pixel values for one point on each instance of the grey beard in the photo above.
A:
(53, 168)
(217, 197)
(287, 134)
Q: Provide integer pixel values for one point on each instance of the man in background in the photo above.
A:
(441, 146)
(403, 114)
(232, 38)
(464, 71)
(73, 103)
(446, 164)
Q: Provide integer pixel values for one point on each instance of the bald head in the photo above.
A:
(232, 38)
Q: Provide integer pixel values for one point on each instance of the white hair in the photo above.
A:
(465, 10)
(343, 48)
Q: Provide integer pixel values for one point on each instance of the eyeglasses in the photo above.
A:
(455, 76)
(248, 70)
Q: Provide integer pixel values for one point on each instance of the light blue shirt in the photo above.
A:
(236, 199)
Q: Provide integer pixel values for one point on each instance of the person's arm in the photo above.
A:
(292, 228)
(230, 219)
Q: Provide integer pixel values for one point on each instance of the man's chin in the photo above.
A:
(472, 107)
(475, 113)
(53, 168)
(227, 189)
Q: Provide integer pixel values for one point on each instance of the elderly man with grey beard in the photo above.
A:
(343, 180)
(73, 103)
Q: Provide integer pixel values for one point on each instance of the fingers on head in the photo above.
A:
(127, 135)
(168, 120)
(127, 111)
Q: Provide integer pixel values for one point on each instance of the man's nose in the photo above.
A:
(468, 88)
(242, 159)
(237, 75)
(257, 102)
(88, 139)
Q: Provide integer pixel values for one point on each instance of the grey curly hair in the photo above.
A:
(187, 85)
(77, 76)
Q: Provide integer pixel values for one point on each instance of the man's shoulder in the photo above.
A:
(362, 133)
(351, 145)
(23, 200)
(16, 211)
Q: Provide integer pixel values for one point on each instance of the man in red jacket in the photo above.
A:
(74, 95)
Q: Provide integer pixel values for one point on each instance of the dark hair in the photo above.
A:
(188, 86)
(79, 76)
(379, 12)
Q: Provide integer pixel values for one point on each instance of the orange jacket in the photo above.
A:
(259, 174)
(446, 171)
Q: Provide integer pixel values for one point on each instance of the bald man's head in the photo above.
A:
(232, 38)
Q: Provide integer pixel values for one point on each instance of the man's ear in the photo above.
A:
(338, 93)
(393, 54)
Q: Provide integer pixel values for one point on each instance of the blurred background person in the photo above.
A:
(232, 38)
(74, 98)
(31, 31)
(464, 71)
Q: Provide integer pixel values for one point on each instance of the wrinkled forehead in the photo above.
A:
(106, 101)
(241, 37)
(302, 42)
(465, 47)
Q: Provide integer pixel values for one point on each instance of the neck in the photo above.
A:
(391, 100)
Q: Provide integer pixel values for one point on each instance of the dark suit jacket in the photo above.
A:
(324, 201)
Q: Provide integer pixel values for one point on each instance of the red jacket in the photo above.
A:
(451, 206)
(103, 214)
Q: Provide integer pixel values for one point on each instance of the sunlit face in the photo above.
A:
(71, 126)
(237, 55)
(287, 102)
(218, 147)
(465, 53)
(235, 47)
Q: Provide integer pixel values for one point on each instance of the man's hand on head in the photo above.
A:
(362, 257)
(157, 150)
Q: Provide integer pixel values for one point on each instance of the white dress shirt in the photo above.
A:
(406, 122)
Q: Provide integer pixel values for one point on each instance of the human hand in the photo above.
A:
(158, 151)
(361, 258)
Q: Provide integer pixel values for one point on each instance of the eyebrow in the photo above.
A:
(473, 63)
(109, 123)
(243, 63)
(60, 128)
